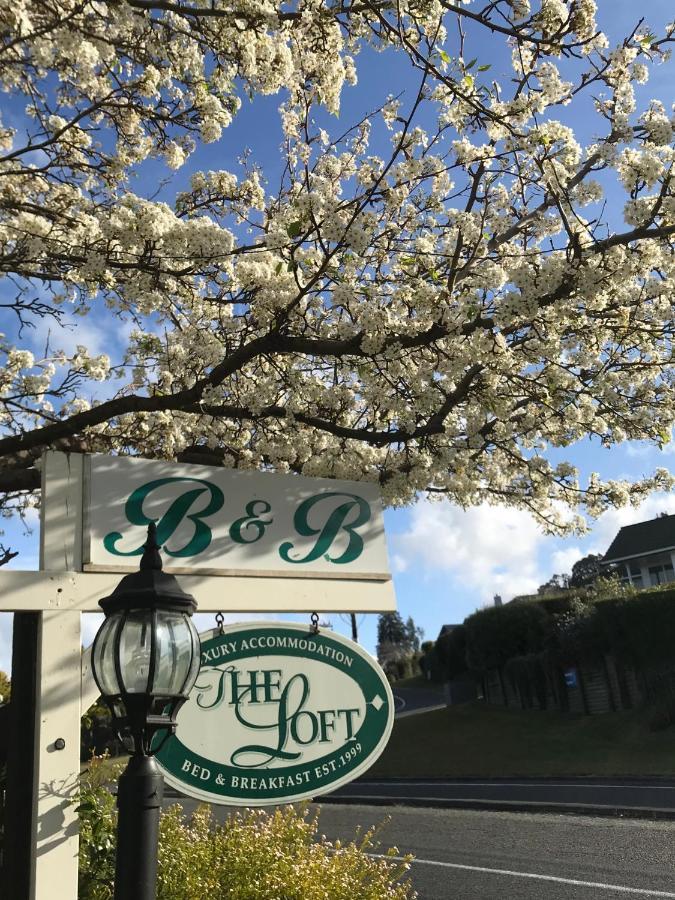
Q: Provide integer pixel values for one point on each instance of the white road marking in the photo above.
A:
(546, 805)
(600, 885)
(418, 712)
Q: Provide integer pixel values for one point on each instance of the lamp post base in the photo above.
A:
(139, 800)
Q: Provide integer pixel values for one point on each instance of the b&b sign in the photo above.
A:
(278, 714)
(218, 521)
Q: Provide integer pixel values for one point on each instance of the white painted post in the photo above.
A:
(58, 707)
(644, 575)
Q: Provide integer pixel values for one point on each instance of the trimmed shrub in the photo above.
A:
(450, 653)
(255, 855)
(499, 633)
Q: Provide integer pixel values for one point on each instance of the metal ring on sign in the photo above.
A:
(314, 628)
(220, 619)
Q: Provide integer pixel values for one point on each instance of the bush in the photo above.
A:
(450, 653)
(255, 855)
(496, 634)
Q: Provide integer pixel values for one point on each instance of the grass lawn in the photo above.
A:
(480, 740)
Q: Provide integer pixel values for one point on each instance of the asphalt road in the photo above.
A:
(581, 794)
(478, 855)
(416, 700)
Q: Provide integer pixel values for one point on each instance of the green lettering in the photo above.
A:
(337, 521)
(251, 520)
(172, 518)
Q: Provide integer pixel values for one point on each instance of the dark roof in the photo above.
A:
(643, 538)
(446, 629)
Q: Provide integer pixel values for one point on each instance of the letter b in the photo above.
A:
(169, 522)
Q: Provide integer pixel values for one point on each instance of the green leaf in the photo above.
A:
(294, 229)
(467, 81)
(278, 268)
(472, 63)
(444, 56)
(485, 67)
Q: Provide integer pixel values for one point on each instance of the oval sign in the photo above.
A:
(278, 714)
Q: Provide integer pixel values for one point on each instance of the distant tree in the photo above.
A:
(97, 735)
(391, 629)
(5, 688)
(554, 584)
(413, 635)
(586, 570)
(397, 644)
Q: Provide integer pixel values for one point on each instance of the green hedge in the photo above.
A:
(634, 626)
(499, 633)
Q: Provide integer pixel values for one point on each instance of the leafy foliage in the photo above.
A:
(586, 570)
(5, 688)
(97, 735)
(398, 645)
(255, 855)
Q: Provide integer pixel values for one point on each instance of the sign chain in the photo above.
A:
(220, 619)
(314, 628)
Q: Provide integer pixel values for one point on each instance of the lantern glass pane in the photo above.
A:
(196, 658)
(175, 652)
(103, 657)
(135, 651)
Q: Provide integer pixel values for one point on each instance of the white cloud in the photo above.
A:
(398, 563)
(562, 560)
(489, 549)
(642, 449)
(638, 450)
(99, 335)
(499, 550)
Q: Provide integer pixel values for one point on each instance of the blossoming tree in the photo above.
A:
(432, 312)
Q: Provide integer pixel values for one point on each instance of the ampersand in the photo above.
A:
(251, 520)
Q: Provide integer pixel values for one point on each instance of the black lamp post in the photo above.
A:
(145, 660)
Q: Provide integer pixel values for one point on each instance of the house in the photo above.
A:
(643, 555)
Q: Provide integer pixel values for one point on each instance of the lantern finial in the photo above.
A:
(151, 558)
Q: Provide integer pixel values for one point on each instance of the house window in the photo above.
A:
(630, 574)
(661, 574)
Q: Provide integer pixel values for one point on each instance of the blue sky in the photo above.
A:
(446, 562)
